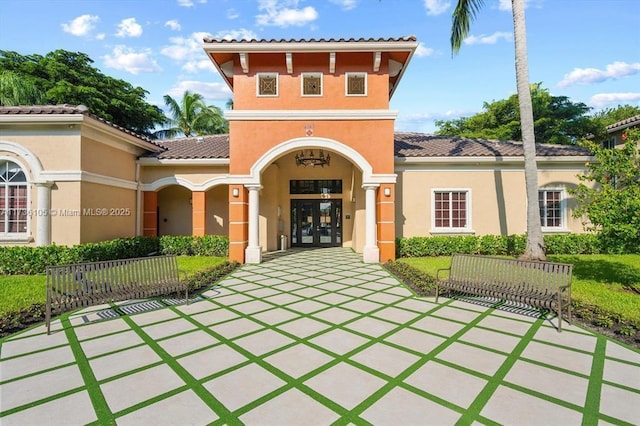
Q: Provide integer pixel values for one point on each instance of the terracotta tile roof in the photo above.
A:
(64, 109)
(213, 146)
(423, 145)
(311, 40)
(623, 124)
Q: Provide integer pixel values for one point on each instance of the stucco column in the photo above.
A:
(150, 214)
(43, 221)
(371, 251)
(253, 252)
(198, 212)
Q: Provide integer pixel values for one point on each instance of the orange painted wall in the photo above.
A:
(385, 214)
(198, 211)
(289, 85)
(373, 139)
(150, 215)
(238, 221)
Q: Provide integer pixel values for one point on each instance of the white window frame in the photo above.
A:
(267, 74)
(346, 83)
(609, 143)
(563, 209)
(311, 74)
(468, 229)
(24, 236)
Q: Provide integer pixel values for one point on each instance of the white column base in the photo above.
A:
(371, 254)
(253, 254)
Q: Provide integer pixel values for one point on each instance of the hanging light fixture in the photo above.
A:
(310, 159)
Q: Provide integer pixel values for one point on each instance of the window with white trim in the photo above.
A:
(356, 84)
(609, 143)
(551, 202)
(451, 210)
(14, 200)
(267, 84)
(311, 84)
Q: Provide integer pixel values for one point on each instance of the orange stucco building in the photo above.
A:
(311, 160)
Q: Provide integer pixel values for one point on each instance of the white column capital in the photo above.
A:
(253, 187)
(44, 184)
(370, 186)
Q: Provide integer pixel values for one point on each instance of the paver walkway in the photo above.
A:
(315, 337)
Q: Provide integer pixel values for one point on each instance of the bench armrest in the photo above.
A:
(442, 270)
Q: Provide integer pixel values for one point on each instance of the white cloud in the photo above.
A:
(284, 13)
(422, 50)
(603, 99)
(488, 39)
(100, 36)
(196, 66)
(436, 7)
(241, 34)
(129, 28)
(210, 91)
(346, 4)
(613, 71)
(189, 49)
(81, 26)
(190, 3)
(128, 59)
(173, 24)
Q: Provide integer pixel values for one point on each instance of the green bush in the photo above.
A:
(422, 283)
(34, 260)
(495, 245)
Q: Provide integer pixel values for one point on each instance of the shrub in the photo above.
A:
(34, 260)
(495, 245)
(422, 283)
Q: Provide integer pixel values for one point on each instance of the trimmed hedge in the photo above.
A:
(496, 245)
(16, 260)
(423, 284)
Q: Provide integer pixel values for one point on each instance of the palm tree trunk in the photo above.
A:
(535, 244)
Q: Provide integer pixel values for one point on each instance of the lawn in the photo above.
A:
(611, 282)
(21, 291)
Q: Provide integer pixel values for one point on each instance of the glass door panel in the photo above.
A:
(325, 225)
(307, 222)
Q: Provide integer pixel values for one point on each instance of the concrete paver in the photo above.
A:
(315, 337)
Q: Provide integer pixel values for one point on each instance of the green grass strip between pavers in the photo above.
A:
(473, 412)
(95, 393)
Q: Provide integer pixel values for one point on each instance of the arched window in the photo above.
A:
(13, 199)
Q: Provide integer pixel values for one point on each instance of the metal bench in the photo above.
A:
(538, 284)
(89, 284)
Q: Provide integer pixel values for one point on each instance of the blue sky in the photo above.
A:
(588, 50)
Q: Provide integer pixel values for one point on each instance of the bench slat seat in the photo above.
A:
(88, 284)
(538, 284)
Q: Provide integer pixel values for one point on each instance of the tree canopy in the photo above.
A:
(556, 120)
(192, 116)
(609, 194)
(62, 77)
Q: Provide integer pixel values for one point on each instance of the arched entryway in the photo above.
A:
(340, 206)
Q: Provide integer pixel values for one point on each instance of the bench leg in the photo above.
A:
(47, 317)
(559, 312)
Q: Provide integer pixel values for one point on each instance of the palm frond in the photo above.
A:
(464, 13)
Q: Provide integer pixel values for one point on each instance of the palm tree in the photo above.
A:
(192, 116)
(19, 90)
(463, 14)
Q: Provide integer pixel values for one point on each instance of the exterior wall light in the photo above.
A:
(235, 192)
(387, 192)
